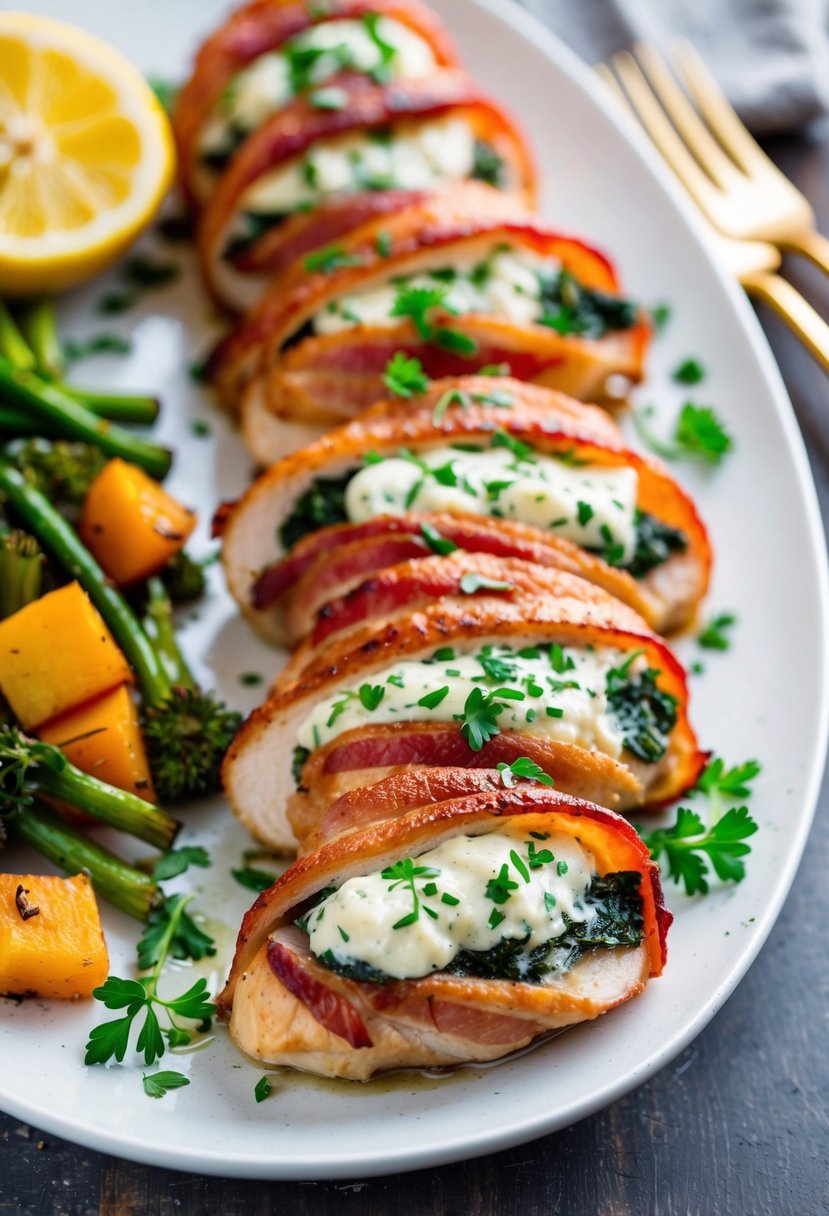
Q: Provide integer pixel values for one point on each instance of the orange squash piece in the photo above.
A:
(55, 654)
(103, 737)
(58, 952)
(131, 524)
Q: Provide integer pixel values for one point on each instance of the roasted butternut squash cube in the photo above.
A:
(58, 951)
(131, 524)
(55, 654)
(103, 737)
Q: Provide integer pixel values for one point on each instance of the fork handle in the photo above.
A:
(813, 245)
(797, 312)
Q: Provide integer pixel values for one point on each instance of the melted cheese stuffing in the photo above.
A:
(595, 507)
(504, 284)
(567, 702)
(362, 920)
(268, 84)
(415, 156)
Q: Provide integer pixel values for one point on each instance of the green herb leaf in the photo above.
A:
(523, 768)
(188, 940)
(431, 700)
(689, 371)
(437, 543)
(262, 1089)
(371, 695)
(255, 880)
(332, 258)
(98, 344)
(714, 636)
(732, 782)
(176, 861)
(404, 377)
(157, 1084)
(688, 847)
(478, 721)
(698, 435)
(472, 582)
(503, 439)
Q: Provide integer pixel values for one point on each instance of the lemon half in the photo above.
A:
(86, 154)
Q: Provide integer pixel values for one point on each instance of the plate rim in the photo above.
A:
(256, 1165)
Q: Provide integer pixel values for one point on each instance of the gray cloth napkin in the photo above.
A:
(771, 57)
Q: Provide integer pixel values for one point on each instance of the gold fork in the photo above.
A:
(722, 191)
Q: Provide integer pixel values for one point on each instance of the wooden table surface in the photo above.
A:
(738, 1125)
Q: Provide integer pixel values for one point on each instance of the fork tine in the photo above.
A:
(685, 118)
(718, 111)
(652, 117)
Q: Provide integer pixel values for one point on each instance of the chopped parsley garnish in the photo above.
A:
(176, 861)
(478, 721)
(689, 371)
(418, 303)
(371, 695)
(406, 872)
(431, 700)
(472, 582)
(714, 636)
(660, 316)
(254, 879)
(330, 259)
(383, 244)
(157, 1084)
(262, 1089)
(437, 543)
(251, 679)
(585, 512)
(404, 376)
(716, 779)
(698, 435)
(527, 770)
(503, 439)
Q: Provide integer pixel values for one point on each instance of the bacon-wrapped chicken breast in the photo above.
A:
(459, 931)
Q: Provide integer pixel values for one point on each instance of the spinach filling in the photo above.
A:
(488, 166)
(618, 922)
(323, 503)
(644, 713)
(254, 225)
(570, 308)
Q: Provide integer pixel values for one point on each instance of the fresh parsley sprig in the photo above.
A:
(405, 377)
(688, 846)
(478, 721)
(698, 435)
(524, 768)
(139, 998)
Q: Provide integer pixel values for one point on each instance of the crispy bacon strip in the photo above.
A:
(262, 26)
(302, 979)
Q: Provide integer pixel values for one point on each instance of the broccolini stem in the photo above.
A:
(21, 567)
(128, 889)
(74, 421)
(16, 423)
(61, 540)
(136, 408)
(37, 322)
(118, 808)
(158, 624)
(13, 347)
